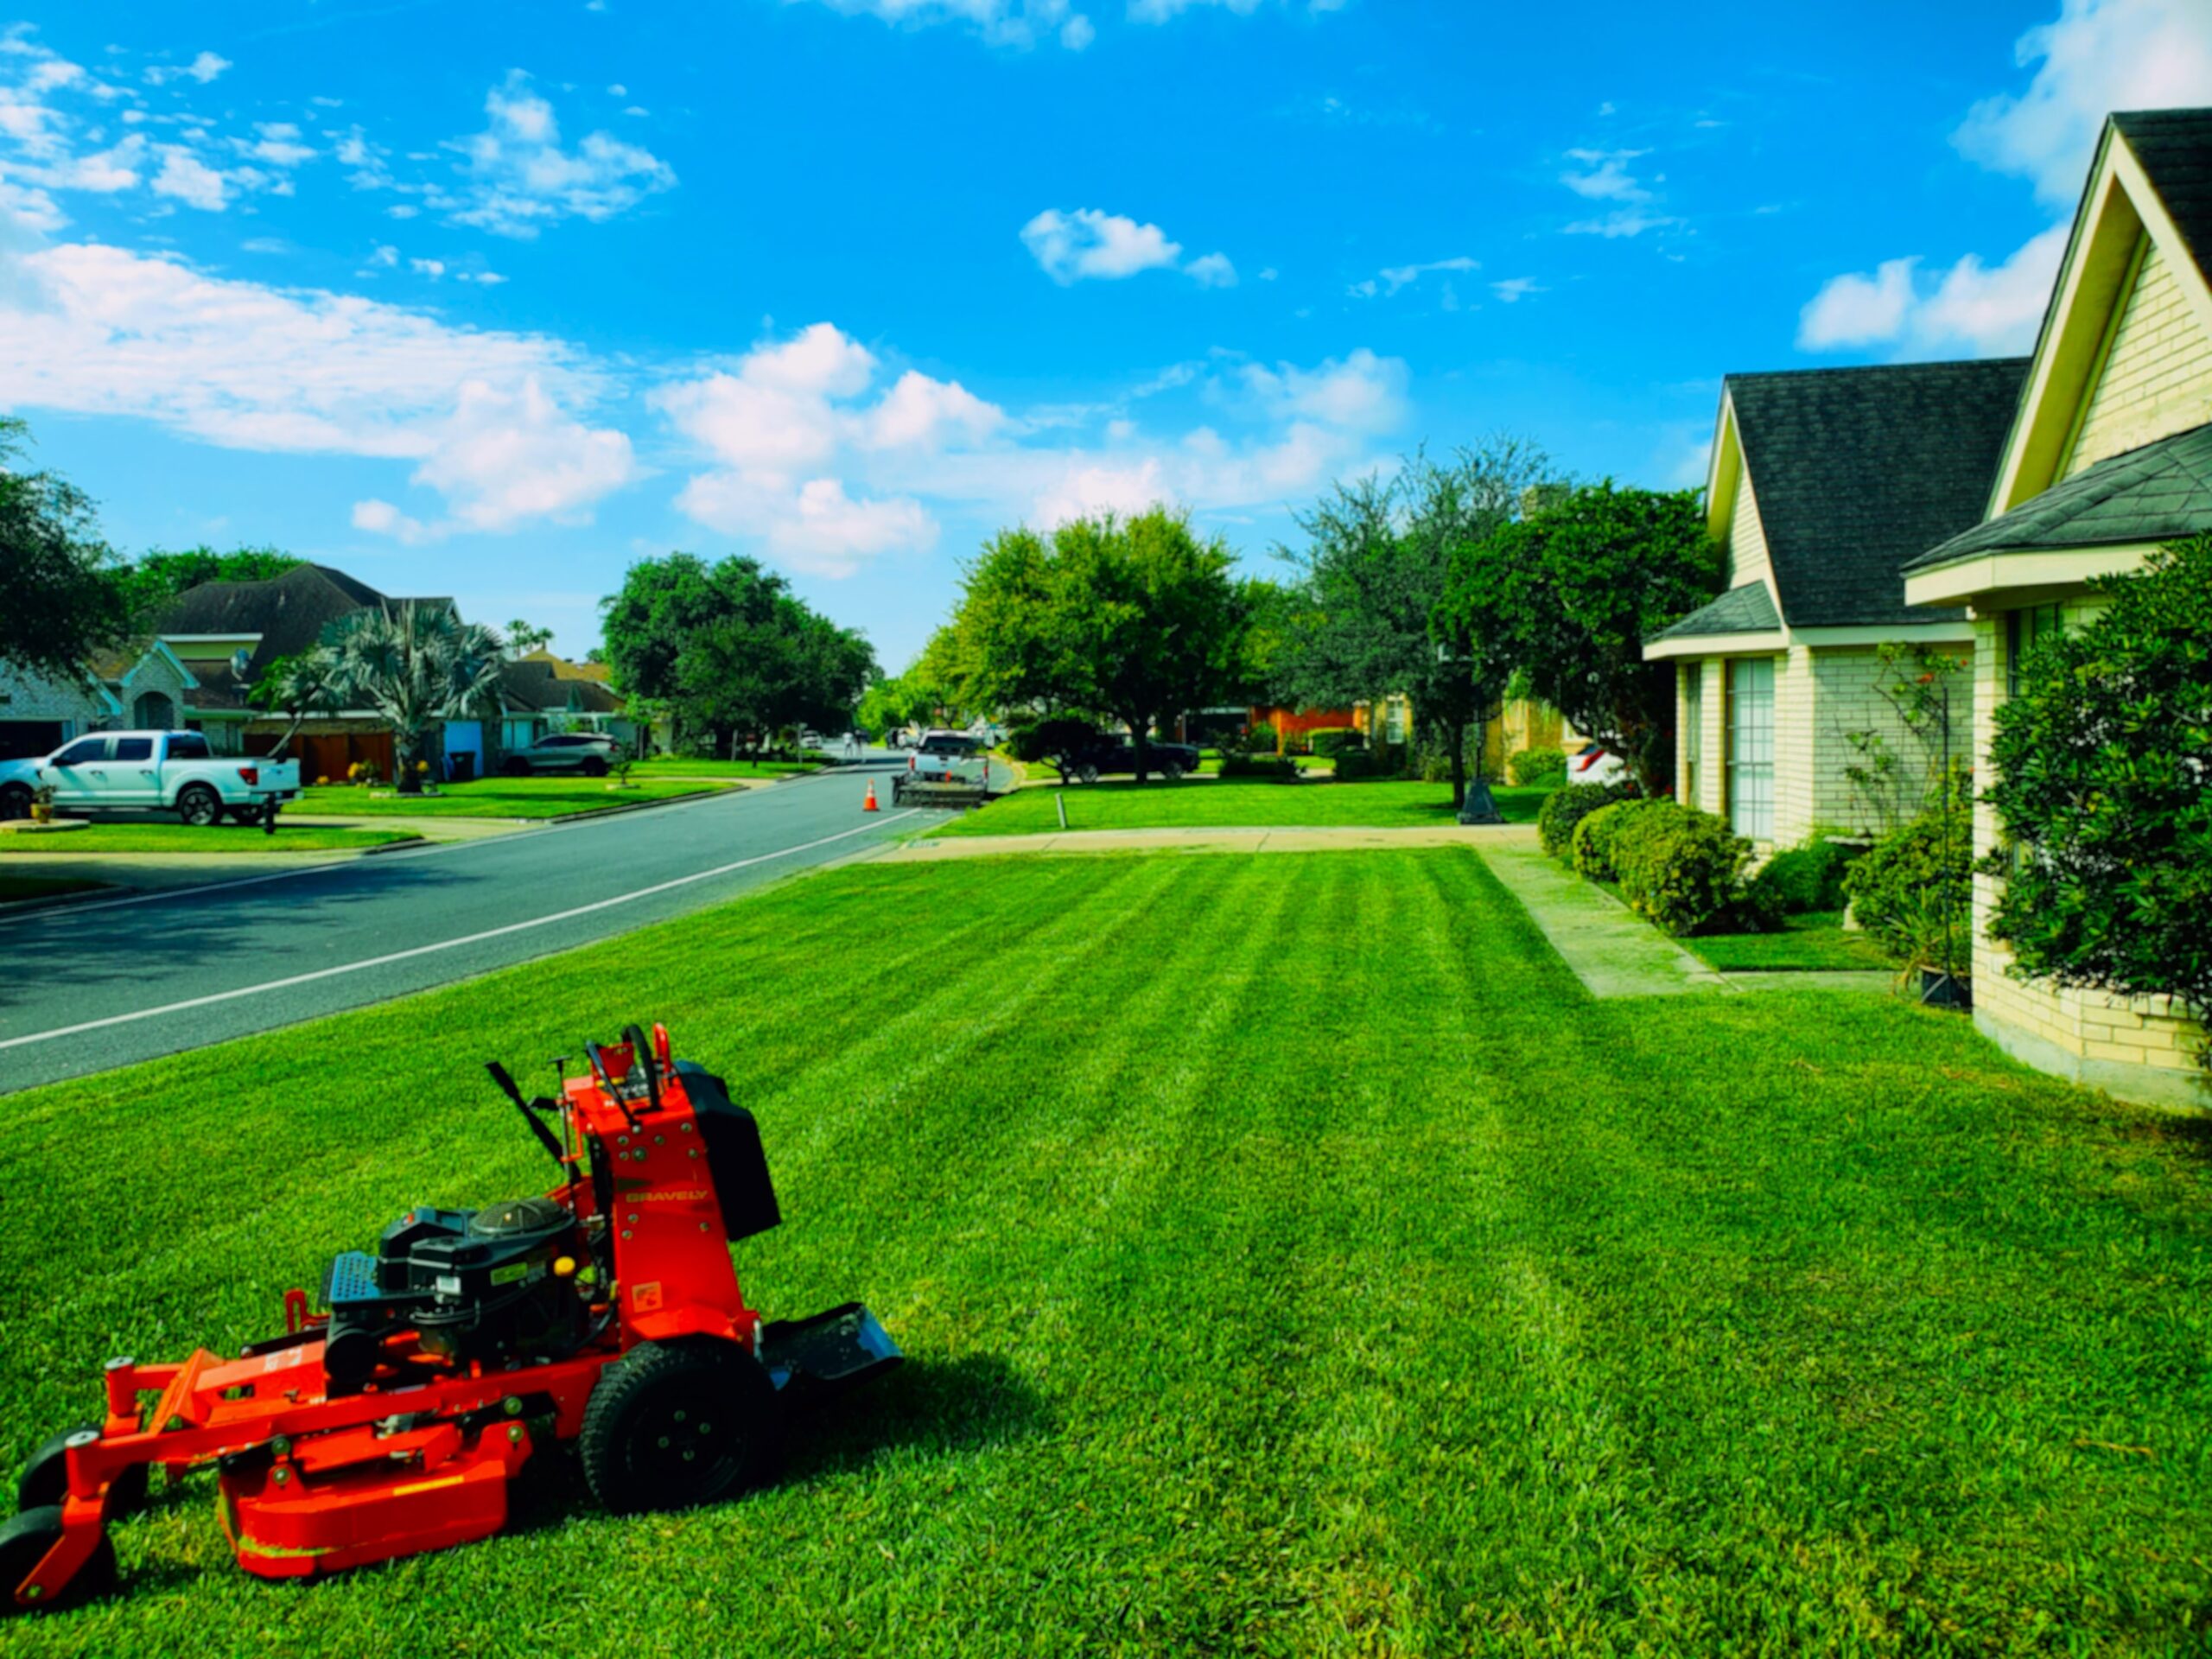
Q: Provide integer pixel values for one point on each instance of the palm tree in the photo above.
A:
(303, 686)
(414, 666)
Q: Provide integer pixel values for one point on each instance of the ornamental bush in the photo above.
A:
(1598, 837)
(1531, 767)
(1565, 808)
(1682, 870)
(1805, 878)
(1335, 739)
(2103, 791)
(1357, 766)
(1913, 892)
(1273, 768)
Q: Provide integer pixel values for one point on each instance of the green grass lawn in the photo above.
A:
(14, 888)
(158, 837)
(1237, 804)
(676, 766)
(1816, 940)
(1290, 1260)
(495, 797)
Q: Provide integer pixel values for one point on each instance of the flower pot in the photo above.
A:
(42, 813)
(1939, 989)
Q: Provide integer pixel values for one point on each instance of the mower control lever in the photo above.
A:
(595, 1056)
(546, 1137)
(643, 1053)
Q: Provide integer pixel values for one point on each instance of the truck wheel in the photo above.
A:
(593, 767)
(14, 802)
(515, 766)
(673, 1424)
(1172, 772)
(24, 1544)
(199, 805)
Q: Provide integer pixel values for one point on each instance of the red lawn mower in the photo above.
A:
(606, 1312)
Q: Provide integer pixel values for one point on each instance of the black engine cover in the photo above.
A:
(742, 1189)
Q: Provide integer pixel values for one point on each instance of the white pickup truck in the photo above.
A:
(150, 772)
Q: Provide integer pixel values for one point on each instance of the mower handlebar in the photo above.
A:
(545, 1136)
(641, 1057)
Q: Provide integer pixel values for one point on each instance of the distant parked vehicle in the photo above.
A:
(1117, 757)
(950, 744)
(1592, 765)
(148, 772)
(592, 753)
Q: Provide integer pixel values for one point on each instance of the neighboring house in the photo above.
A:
(1823, 484)
(139, 686)
(219, 624)
(2109, 455)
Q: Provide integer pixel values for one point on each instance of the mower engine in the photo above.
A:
(607, 1313)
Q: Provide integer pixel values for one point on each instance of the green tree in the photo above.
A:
(730, 651)
(1136, 618)
(63, 600)
(1369, 619)
(523, 638)
(1569, 594)
(2103, 789)
(155, 577)
(304, 687)
(414, 666)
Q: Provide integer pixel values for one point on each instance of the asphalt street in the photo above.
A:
(111, 981)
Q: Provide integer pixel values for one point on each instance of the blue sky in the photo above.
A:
(493, 299)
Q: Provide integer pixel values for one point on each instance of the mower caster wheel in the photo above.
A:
(673, 1424)
(46, 1478)
(24, 1544)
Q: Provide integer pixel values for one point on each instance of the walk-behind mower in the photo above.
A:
(606, 1312)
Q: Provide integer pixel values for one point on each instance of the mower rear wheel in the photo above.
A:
(673, 1424)
(24, 1544)
(46, 1477)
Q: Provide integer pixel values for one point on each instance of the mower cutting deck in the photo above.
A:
(607, 1312)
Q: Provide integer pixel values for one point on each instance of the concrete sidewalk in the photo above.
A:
(937, 849)
(1613, 952)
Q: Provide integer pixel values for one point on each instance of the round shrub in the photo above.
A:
(1805, 878)
(1683, 870)
(1565, 808)
(1913, 892)
(1262, 736)
(1270, 768)
(1597, 838)
(1355, 766)
(1532, 767)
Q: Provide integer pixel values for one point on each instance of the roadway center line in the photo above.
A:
(448, 944)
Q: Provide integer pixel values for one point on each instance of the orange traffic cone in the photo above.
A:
(870, 805)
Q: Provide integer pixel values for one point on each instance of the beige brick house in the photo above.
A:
(143, 684)
(1823, 483)
(2110, 454)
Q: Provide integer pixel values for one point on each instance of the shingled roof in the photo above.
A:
(1858, 471)
(1747, 609)
(2157, 493)
(2175, 147)
(289, 612)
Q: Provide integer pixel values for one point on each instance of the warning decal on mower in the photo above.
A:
(646, 1299)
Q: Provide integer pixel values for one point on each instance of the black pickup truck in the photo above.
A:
(1111, 757)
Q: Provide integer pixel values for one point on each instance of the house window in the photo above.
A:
(1750, 748)
(1394, 721)
(2022, 629)
(1692, 729)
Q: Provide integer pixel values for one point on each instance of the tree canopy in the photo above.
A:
(730, 651)
(64, 597)
(158, 576)
(1136, 618)
(1569, 594)
(412, 663)
(2103, 786)
(1362, 621)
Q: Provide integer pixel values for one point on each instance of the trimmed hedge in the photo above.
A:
(1274, 768)
(1678, 868)
(1805, 878)
(1596, 838)
(1532, 767)
(1335, 739)
(1355, 766)
(1565, 808)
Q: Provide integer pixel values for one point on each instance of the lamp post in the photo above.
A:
(1477, 806)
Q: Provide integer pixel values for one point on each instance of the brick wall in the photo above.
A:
(1846, 699)
(2156, 378)
(33, 696)
(2138, 1048)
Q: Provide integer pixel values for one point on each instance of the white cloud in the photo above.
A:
(432, 269)
(1388, 281)
(1363, 393)
(191, 180)
(1605, 175)
(1624, 221)
(919, 412)
(203, 69)
(516, 177)
(279, 144)
(1085, 243)
(1983, 311)
(489, 419)
(1513, 289)
(1161, 11)
(1016, 23)
(1077, 33)
(2097, 56)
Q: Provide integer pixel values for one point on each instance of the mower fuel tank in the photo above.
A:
(742, 1189)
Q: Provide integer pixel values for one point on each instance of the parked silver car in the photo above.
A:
(593, 753)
